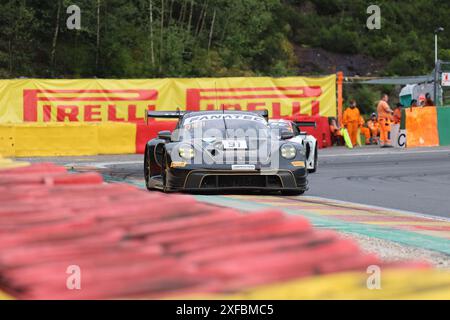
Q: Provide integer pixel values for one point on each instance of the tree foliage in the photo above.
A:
(186, 38)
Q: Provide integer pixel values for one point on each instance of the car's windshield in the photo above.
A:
(225, 126)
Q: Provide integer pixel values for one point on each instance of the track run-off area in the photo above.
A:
(394, 202)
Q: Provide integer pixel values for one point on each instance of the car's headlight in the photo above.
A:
(288, 151)
(186, 151)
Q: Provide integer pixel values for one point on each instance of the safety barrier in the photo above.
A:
(421, 127)
(55, 104)
(7, 140)
(28, 140)
(443, 115)
(132, 243)
(90, 100)
(72, 139)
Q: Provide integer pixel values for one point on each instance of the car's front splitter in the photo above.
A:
(208, 180)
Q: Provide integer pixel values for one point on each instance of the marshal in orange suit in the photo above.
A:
(374, 128)
(351, 120)
(365, 131)
(384, 119)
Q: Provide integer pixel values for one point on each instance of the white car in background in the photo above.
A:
(308, 141)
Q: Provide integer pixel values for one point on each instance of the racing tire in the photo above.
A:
(147, 170)
(316, 161)
(164, 173)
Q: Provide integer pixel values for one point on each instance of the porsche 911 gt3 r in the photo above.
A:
(223, 151)
(308, 141)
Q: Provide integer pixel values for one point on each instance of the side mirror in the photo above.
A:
(165, 135)
(285, 135)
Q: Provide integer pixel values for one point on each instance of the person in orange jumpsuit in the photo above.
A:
(384, 119)
(374, 128)
(364, 130)
(351, 121)
(398, 113)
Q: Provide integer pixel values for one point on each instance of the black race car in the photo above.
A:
(223, 151)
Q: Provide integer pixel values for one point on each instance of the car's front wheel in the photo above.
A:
(164, 169)
(147, 170)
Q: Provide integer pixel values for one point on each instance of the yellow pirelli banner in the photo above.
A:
(101, 100)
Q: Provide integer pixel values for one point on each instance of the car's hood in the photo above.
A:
(257, 149)
(251, 143)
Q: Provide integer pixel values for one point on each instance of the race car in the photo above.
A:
(223, 151)
(308, 141)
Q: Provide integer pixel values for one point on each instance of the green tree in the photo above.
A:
(17, 44)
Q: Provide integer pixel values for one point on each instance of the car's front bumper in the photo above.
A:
(201, 179)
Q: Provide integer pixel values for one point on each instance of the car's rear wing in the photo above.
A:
(309, 124)
(164, 114)
(178, 114)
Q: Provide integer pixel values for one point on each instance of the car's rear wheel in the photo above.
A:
(316, 161)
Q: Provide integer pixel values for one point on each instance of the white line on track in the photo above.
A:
(404, 212)
(352, 154)
(380, 153)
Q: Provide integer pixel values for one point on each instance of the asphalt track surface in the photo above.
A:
(416, 180)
